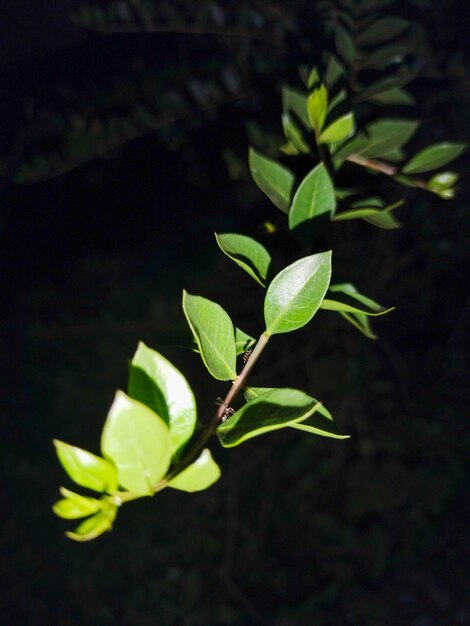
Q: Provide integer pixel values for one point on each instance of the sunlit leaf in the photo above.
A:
(272, 178)
(317, 107)
(433, 157)
(315, 196)
(247, 253)
(272, 410)
(87, 469)
(243, 342)
(296, 293)
(340, 129)
(155, 382)
(94, 526)
(75, 506)
(214, 334)
(199, 475)
(138, 442)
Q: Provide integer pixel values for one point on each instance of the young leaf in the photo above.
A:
(248, 254)
(272, 410)
(442, 182)
(243, 342)
(295, 102)
(87, 469)
(340, 129)
(94, 526)
(314, 197)
(199, 475)
(138, 442)
(157, 383)
(272, 178)
(317, 105)
(433, 157)
(296, 293)
(74, 506)
(214, 333)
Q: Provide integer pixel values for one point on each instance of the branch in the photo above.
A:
(185, 29)
(384, 168)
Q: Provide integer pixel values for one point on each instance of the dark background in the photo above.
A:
(371, 531)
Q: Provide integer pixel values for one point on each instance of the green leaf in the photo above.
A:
(386, 55)
(433, 157)
(397, 96)
(138, 442)
(442, 181)
(340, 129)
(94, 526)
(361, 322)
(248, 254)
(275, 180)
(214, 334)
(317, 105)
(199, 475)
(383, 29)
(344, 44)
(373, 212)
(87, 469)
(296, 293)
(295, 102)
(243, 342)
(385, 84)
(334, 71)
(272, 410)
(379, 138)
(155, 382)
(74, 506)
(345, 297)
(319, 423)
(315, 196)
(294, 135)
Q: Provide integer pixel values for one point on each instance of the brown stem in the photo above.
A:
(377, 166)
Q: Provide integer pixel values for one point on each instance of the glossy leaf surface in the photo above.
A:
(272, 178)
(433, 157)
(155, 382)
(296, 293)
(200, 475)
(214, 334)
(138, 442)
(270, 411)
(247, 253)
(315, 196)
(87, 469)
